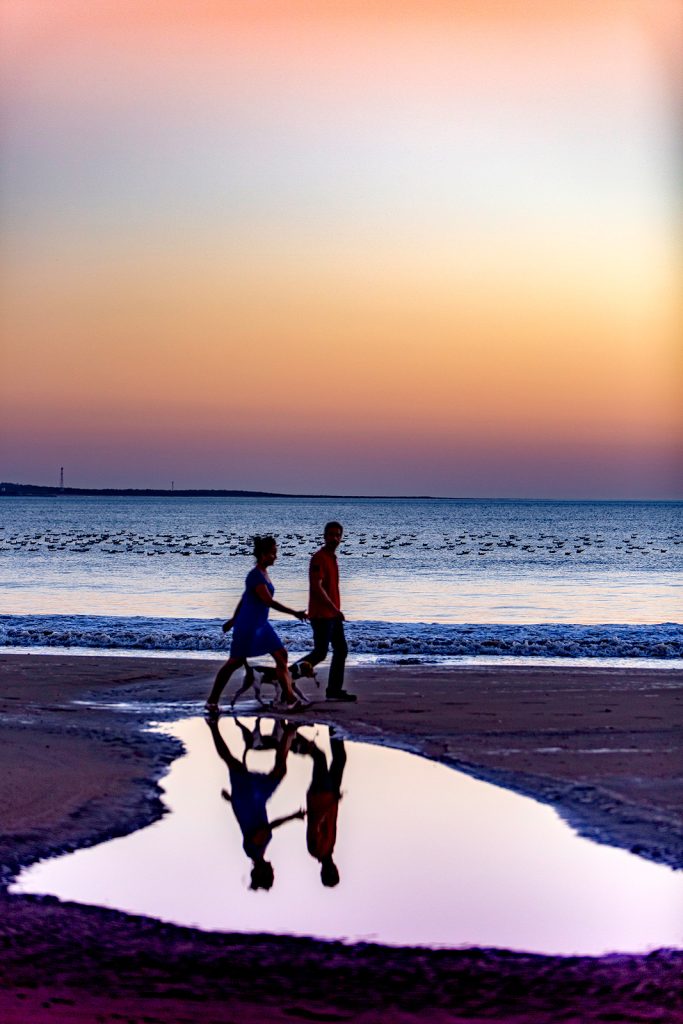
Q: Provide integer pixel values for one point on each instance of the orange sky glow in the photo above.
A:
(397, 248)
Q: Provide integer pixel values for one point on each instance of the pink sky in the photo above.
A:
(380, 248)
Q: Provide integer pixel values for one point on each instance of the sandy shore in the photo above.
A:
(601, 745)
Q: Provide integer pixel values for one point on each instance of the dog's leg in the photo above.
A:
(258, 739)
(302, 697)
(249, 680)
(257, 691)
(258, 683)
(248, 740)
(268, 675)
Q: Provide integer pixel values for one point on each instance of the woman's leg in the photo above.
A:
(223, 678)
(283, 676)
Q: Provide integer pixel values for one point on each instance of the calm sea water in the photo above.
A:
(402, 561)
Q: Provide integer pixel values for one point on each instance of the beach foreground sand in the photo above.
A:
(601, 745)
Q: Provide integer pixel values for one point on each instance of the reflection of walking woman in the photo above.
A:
(250, 793)
(253, 635)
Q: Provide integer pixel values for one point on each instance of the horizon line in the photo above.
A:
(10, 489)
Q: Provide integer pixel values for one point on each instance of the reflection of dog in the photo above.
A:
(254, 739)
(300, 670)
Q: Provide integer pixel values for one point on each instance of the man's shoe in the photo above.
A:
(341, 695)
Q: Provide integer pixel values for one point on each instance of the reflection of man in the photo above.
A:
(325, 614)
(322, 805)
(250, 793)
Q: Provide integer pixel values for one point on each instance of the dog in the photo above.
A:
(254, 739)
(299, 670)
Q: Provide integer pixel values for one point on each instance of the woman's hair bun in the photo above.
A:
(263, 544)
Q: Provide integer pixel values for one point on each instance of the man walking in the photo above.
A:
(325, 614)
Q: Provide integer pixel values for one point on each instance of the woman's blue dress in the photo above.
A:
(252, 634)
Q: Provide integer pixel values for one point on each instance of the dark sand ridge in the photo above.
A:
(78, 773)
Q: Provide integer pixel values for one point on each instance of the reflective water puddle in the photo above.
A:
(300, 832)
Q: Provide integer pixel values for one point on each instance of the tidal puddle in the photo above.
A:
(413, 853)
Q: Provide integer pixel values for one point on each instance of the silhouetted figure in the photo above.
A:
(322, 804)
(252, 634)
(325, 614)
(251, 791)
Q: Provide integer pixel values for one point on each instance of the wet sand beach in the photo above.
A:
(601, 745)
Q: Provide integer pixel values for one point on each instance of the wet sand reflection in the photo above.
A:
(291, 829)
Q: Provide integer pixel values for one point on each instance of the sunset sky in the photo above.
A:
(371, 246)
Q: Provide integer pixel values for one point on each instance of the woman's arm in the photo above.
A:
(229, 623)
(264, 595)
(290, 817)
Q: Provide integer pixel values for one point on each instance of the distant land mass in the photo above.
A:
(11, 490)
(36, 490)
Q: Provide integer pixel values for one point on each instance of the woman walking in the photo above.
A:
(252, 634)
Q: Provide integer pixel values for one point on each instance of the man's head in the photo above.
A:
(329, 873)
(333, 534)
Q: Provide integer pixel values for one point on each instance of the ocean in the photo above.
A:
(422, 579)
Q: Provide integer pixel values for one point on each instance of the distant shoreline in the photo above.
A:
(13, 490)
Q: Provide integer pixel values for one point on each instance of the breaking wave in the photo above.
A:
(416, 640)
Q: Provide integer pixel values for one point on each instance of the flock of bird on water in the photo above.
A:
(222, 542)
